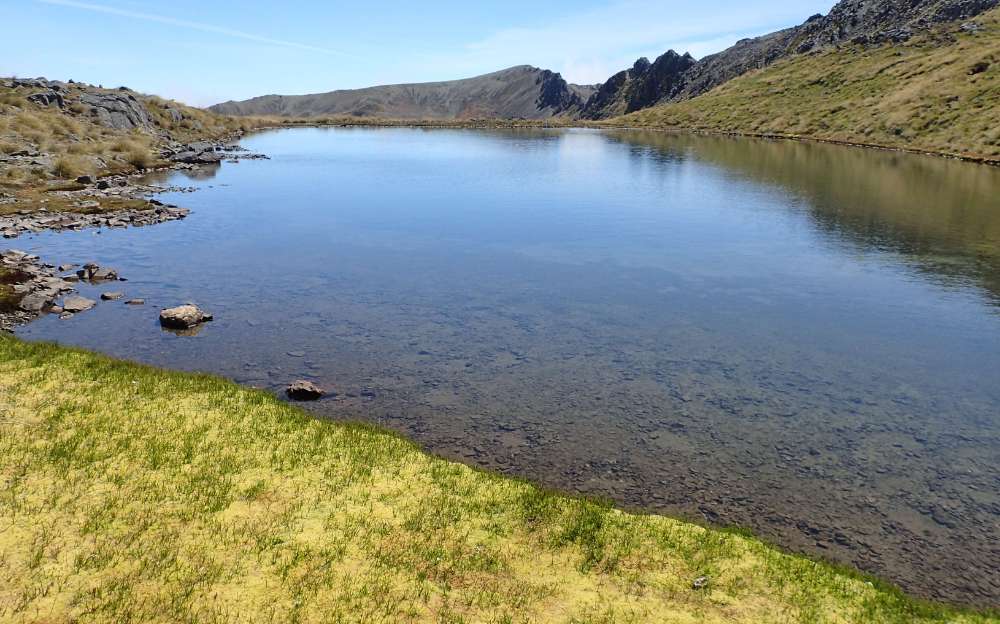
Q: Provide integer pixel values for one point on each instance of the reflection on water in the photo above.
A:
(941, 215)
(802, 339)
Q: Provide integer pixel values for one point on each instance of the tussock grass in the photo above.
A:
(923, 95)
(132, 494)
(67, 167)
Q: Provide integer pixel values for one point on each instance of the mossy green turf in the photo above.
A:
(134, 494)
(927, 95)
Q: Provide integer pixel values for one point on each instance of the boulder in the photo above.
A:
(34, 302)
(121, 111)
(303, 390)
(76, 304)
(183, 317)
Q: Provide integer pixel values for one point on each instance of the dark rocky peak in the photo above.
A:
(555, 93)
(641, 66)
(641, 86)
(663, 80)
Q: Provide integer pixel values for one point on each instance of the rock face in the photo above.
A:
(521, 92)
(183, 317)
(304, 391)
(850, 21)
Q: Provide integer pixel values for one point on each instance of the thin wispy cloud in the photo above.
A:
(209, 28)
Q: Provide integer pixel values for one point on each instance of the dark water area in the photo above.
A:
(800, 339)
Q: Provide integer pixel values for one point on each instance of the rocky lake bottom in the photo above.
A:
(799, 339)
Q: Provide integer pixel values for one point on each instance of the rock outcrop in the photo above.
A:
(119, 110)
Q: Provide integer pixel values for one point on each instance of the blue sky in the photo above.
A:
(206, 51)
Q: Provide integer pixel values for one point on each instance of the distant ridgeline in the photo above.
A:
(526, 92)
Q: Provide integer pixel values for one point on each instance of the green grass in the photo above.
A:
(133, 494)
(922, 95)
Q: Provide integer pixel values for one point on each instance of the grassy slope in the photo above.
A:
(916, 96)
(132, 494)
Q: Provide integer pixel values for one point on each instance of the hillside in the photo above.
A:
(54, 130)
(854, 22)
(939, 91)
(521, 92)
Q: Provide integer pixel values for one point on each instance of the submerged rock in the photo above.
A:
(75, 304)
(183, 317)
(111, 296)
(303, 390)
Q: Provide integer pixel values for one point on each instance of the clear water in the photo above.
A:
(800, 339)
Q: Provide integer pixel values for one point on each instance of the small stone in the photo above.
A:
(85, 179)
(297, 354)
(66, 267)
(111, 296)
(65, 315)
(103, 185)
(303, 390)
(135, 302)
(700, 583)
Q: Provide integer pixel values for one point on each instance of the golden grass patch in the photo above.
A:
(133, 494)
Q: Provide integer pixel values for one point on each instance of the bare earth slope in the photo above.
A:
(521, 92)
(938, 92)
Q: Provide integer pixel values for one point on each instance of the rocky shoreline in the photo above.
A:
(31, 288)
(35, 287)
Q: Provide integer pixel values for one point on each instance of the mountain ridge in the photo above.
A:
(522, 91)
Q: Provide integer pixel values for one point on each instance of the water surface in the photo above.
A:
(800, 339)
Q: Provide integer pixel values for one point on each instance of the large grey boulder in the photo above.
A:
(183, 317)
(121, 111)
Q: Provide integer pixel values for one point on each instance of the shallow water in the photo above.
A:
(800, 339)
